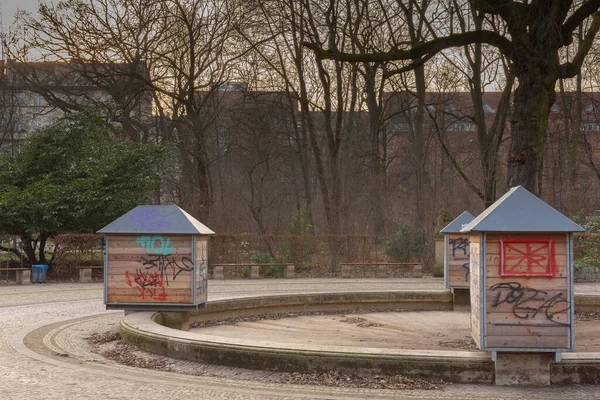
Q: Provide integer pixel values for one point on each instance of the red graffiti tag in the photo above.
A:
(150, 285)
(527, 257)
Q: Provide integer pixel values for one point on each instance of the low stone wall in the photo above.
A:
(150, 332)
(587, 274)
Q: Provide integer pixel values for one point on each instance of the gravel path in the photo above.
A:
(45, 352)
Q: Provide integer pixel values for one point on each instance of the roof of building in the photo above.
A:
(157, 219)
(461, 103)
(459, 222)
(521, 211)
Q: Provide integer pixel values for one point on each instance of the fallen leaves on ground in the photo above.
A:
(127, 354)
(587, 315)
(339, 379)
(463, 344)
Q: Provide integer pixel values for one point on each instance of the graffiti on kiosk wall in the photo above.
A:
(156, 244)
(158, 268)
(527, 303)
(202, 282)
(461, 246)
(150, 285)
(474, 267)
(168, 266)
(527, 257)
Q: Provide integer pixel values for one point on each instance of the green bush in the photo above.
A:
(269, 271)
(300, 245)
(587, 246)
(406, 245)
(438, 271)
(261, 258)
(273, 271)
(246, 272)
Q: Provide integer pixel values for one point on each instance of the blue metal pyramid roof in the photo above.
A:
(521, 211)
(459, 222)
(157, 219)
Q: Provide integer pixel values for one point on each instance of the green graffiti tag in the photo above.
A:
(156, 244)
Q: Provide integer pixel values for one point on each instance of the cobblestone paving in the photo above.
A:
(43, 354)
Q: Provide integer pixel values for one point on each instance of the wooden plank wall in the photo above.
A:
(457, 268)
(524, 310)
(475, 288)
(201, 269)
(149, 269)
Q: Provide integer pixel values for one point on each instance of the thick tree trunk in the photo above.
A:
(204, 189)
(532, 101)
(303, 152)
(27, 243)
(189, 195)
(377, 181)
(42, 248)
(537, 36)
(195, 184)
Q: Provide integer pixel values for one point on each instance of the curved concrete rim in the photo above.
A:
(147, 330)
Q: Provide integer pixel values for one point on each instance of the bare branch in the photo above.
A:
(588, 8)
(425, 49)
(571, 69)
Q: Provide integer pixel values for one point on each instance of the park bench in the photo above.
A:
(218, 273)
(416, 269)
(23, 275)
(85, 272)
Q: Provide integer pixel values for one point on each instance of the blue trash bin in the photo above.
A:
(38, 273)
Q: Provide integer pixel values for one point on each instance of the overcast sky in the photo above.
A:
(9, 8)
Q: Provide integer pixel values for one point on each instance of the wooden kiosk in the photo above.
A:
(521, 283)
(456, 260)
(155, 258)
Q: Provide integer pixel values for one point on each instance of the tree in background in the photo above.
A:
(75, 175)
(537, 34)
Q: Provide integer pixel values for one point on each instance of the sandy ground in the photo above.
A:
(433, 330)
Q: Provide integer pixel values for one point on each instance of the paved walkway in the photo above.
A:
(43, 352)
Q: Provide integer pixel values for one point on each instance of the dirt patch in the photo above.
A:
(393, 329)
(422, 330)
(279, 316)
(360, 322)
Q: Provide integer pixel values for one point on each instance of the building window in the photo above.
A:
(38, 100)
(461, 126)
(451, 108)
(590, 126)
(36, 122)
(488, 109)
(20, 124)
(20, 99)
(400, 127)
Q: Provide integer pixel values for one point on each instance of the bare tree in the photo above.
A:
(11, 120)
(481, 66)
(538, 31)
(186, 47)
(326, 92)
